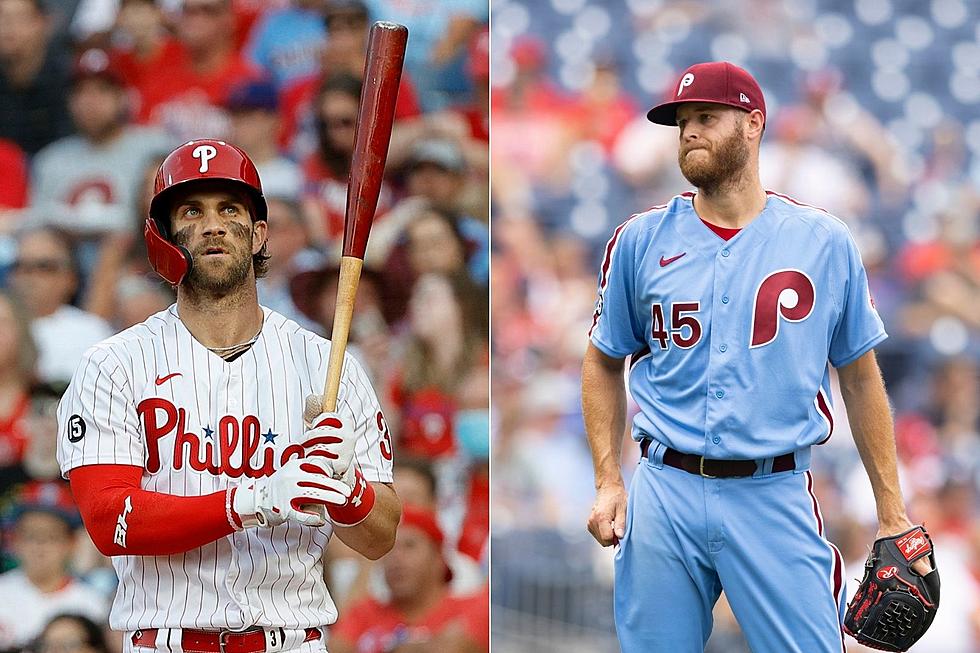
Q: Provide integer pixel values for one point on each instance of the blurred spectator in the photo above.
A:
(18, 357)
(417, 484)
(314, 292)
(477, 111)
(142, 45)
(601, 110)
(435, 243)
(253, 108)
(326, 171)
(187, 97)
(421, 615)
(46, 278)
(440, 33)
(445, 358)
(437, 173)
(347, 24)
(289, 246)
(798, 163)
(71, 633)
(530, 135)
(33, 76)
(122, 256)
(43, 538)
(286, 44)
(139, 297)
(13, 171)
(88, 183)
(40, 460)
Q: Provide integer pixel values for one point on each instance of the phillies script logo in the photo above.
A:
(886, 573)
(913, 544)
(234, 439)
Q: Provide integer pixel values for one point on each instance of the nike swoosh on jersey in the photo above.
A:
(163, 379)
(664, 262)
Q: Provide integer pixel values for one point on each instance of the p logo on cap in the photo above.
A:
(686, 81)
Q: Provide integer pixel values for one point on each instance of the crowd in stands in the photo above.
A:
(93, 95)
(872, 116)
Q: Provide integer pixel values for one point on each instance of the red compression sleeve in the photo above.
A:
(123, 519)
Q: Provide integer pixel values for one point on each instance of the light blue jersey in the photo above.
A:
(730, 343)
(730, 339)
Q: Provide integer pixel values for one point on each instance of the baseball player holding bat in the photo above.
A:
(203, 460)
(195, 445)
(729, 303)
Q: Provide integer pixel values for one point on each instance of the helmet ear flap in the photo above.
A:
(172, 262)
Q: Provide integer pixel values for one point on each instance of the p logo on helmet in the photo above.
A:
(205, 153)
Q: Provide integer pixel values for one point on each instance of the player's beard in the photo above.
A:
(723, 166)
(223, 278)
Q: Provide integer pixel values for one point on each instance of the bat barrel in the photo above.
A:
(376, 113)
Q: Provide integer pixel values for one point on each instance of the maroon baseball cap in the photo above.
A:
(718, 82)
(96, 62)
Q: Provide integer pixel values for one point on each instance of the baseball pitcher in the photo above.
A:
(729, 303)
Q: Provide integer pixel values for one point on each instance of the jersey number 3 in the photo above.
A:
(685, 330)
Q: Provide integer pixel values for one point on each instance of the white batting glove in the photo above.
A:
(299, 491)
(331, 437)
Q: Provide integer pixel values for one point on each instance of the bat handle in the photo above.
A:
(350, 274)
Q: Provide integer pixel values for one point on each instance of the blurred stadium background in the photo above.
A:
(873, 115)
(93, 93)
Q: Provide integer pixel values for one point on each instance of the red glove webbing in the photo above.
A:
(152, 523)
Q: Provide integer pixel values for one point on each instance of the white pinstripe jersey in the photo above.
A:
(153, 396)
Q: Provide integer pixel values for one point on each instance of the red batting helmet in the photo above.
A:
(194, 161)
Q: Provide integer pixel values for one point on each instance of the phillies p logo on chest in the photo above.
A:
(783, 295)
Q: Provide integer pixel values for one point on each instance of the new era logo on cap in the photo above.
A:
(718, 82)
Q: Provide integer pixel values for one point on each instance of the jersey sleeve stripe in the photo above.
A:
(604, 270)
(823, 407)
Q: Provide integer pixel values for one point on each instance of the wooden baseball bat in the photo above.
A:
(375, 114)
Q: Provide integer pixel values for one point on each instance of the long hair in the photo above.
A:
(418, 369)
(336, 159)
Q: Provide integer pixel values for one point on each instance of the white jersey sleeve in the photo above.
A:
(97, 420)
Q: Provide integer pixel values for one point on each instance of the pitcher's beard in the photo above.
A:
(723, 167)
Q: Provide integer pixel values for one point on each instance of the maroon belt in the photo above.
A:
(709, 468)
(219, 641)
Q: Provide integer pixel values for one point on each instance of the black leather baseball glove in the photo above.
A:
(894, 606)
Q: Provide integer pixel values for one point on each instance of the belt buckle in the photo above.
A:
(700, 471)
(221, 639)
